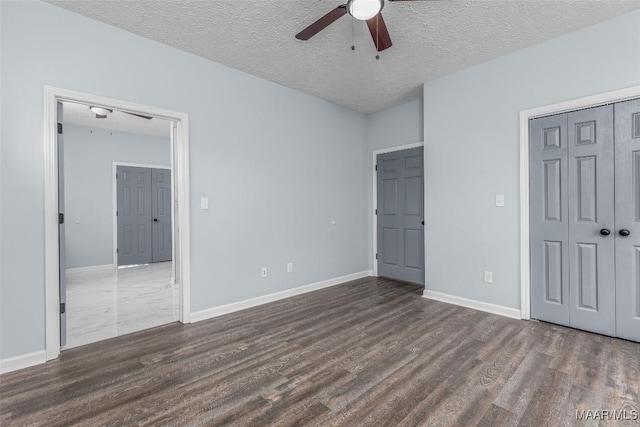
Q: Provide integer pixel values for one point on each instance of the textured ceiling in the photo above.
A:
(80, 114)
(431, 38)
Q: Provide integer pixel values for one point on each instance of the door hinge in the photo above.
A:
(116, 213)
(117, 250)
(376, 256)
(61, 218)
(59, 128)
(376, 167)
(116, 176)
(63, 308)
(376, 211)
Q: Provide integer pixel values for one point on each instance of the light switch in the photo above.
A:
(204, 203)
(500, 200)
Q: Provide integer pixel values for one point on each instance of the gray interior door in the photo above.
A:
(548, 216)
(161, 213)
(627, 233)
(62, 265)
(591, 220)
(400, 227)
(134, 215)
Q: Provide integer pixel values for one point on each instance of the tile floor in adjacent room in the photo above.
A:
(109, 302)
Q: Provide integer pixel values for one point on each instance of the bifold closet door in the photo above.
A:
(572, 220)
(627, 233)
(591, 220)
(548, 216)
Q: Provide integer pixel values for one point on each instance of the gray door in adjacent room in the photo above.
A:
(585, 243)
(134, 215)
(400, 229)
(161, 213)
(62, 262)
(627, 233)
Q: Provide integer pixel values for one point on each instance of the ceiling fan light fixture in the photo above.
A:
(364, 9)
(100, 111)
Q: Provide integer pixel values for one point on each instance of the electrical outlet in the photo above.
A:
(488, 277)
(263, 272)
(500, 200)
(290, 267)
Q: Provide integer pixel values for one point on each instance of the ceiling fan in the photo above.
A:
(362, 10)
(102, 113)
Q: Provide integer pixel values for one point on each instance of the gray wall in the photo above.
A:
(275, 172)
(392, 127)
(88, 171)
(471, 131)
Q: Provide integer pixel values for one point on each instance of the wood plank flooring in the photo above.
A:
(369, 352)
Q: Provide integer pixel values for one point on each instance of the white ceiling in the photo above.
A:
(80, 114)
(431, 38)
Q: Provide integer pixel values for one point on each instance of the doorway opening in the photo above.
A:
(83, 238)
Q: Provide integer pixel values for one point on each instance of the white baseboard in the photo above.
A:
(90, 268)
(24, 361)
(243, 305)
(476, 305)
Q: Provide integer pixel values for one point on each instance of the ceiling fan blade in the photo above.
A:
(139, 115)
(322, 23)
(379, 32)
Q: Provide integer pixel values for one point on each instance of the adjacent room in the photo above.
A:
(114, 190)
(330, 212)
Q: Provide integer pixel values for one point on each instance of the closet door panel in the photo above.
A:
(627, 233)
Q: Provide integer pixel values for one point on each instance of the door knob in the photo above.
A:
(422, 222)
(624, 232)
(155, 219)
(605, 231)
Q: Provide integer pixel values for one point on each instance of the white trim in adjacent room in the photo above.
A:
(474, 304)
(179, 165)
(375, 195)
(114, 207)
(526, 115)
(23, 361)
(253, 302)
(76, 270)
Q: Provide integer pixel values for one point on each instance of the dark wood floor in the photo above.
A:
(370, 352)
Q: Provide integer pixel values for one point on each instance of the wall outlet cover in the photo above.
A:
(488, 277)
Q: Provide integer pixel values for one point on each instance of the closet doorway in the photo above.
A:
(584, 212)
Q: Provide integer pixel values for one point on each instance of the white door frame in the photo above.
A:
(180, 184)
(375, 194)
(114, 210)
(526, 115)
